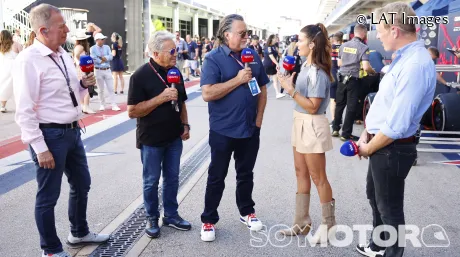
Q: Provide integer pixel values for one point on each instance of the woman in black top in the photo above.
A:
(271, 63)
(116, 65)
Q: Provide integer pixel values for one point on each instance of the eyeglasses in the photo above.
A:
(172, 51)
(244, 32)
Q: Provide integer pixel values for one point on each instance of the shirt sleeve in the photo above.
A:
(340, 52)
(135, 91)
(210, 73)
(319, 83)
(94, 55)
(109, 56)
(26, 81)
(365, 54)
(407, 99)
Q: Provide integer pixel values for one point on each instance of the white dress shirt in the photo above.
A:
(42, 94)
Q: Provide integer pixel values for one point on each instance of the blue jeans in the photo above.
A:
(154, 159)
(70, 158)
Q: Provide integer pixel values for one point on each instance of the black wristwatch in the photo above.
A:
(185, 124)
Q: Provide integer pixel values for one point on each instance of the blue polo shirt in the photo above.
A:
(234, 115)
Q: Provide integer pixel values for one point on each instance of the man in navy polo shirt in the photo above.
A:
(235, 116)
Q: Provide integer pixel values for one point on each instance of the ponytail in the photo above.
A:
(321, 54)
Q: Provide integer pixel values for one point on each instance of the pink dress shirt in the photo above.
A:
(41, 92)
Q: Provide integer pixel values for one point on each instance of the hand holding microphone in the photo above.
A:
(87, 66)
(173, 78)
(245, 75)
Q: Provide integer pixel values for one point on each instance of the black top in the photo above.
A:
(117, 49)
(163, 125)
(90, 39)
(258, 49)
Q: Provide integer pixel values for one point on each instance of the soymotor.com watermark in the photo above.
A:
(432, 235)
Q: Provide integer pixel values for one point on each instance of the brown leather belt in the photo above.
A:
(410, 139)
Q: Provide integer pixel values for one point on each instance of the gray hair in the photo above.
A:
(40, 16)
(225, 25)
(405, 17)
(157, 40)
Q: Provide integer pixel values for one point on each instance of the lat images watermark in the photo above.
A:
(408, 19)
(433, 235)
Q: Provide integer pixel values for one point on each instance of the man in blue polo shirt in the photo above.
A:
(235, 117)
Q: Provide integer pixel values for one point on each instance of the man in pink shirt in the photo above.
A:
(48, 94)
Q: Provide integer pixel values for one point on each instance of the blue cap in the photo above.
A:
(294, 38)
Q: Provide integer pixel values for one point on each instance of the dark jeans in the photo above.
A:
(70, 158)
(245, 152)
(388, 168)
(154, 159)
(347, 95)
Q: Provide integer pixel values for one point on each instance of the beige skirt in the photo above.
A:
(311, 133)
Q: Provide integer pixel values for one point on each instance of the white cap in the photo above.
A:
(99, 36)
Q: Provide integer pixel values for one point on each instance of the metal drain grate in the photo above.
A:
(128, 233)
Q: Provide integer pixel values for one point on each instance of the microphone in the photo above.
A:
(173, 78)
(247, 57)
(349, 148)
(288, 64)
(87, 66)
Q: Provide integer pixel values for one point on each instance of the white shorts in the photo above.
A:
(191, 63)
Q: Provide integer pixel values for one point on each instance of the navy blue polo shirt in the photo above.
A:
(234, 115)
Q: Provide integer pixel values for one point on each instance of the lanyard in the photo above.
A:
(238, 61)
(66, 74)
(156, 72)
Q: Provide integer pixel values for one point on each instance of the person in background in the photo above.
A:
(271, 64)
(116, 65)
(389, 139)
(199, 44)
(102, 55)
(47, 94)
(207, 47)
(9, 49)
(377, 63)
(191, 64)
(256, 46)
(91, 30)
(17, 37)
(434, 53)
(235, 118)
(335, 46)
(30, 40)
(182, 52)
(82, 48)
(161, 128)
(310, 137)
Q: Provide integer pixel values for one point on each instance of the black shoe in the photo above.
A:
(152, 230)
(368, 250)
(177, 223)
(344, 138)
(121, 92)
(335, 133)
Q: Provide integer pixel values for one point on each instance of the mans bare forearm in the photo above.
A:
(184, 115)
(144, 108)
(261, 105)
(217, 91)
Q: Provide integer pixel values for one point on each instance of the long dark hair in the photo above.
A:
(321, 54)
(85, 45)
(6, 41)
(270, 40)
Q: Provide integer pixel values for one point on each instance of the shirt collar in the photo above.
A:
(228, 51)
(157, 66)
(45, 51)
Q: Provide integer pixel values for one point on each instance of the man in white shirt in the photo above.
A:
(48, 93)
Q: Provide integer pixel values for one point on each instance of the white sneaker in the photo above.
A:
(115, 107)
(208, 232)
(367, 251)
(61, 254)
(3, 109)
(90, 111)
(252, 222)
(278, 96)
(102, 108)
(91, 238)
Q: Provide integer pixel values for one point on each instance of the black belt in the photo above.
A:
(101, 68)
(61, 126)
(411, 139)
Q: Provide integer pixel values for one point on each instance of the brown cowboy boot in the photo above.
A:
(302, 220)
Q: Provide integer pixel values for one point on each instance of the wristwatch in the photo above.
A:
(185, 124)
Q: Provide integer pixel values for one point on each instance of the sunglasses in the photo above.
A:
(243, 33)
(172, 51)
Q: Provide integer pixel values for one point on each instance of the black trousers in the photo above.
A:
(388, 169)
(245, 152)
(347, 95)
